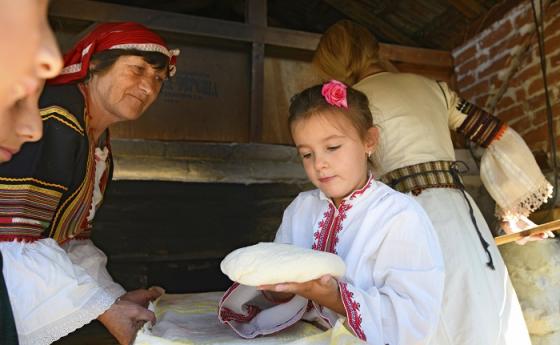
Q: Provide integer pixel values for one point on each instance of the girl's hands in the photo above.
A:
(323, 291)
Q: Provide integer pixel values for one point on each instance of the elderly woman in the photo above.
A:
(50, 191)
(416, 156)
(28, 55)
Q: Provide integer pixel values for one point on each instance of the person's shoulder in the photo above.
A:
(394, 81)
(411, 78)
(307, 197)
(63, 104)
(304, 201)
(393, 202)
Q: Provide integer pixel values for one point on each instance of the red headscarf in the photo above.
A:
(127, 35)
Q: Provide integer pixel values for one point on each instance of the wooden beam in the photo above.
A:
(255, 15)
(471, 9)
(418, 56)
(181, 23)
(366, 16)
(205, 27)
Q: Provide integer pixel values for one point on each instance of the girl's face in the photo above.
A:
(28, 56)
(333, 154)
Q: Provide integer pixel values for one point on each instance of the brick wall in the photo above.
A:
(499, 69)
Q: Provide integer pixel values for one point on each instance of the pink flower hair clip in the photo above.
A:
(335, 93)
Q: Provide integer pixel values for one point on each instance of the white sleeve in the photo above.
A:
(51, 296)
(403, 306)
(91, 259)
(508, 169)
(512, 176)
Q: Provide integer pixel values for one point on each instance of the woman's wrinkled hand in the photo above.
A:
(124, 318)
(143, 296)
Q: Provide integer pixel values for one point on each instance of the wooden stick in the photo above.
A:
(537, 230)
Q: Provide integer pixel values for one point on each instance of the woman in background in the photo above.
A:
(416, 156)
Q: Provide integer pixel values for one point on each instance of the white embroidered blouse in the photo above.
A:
(392, 290)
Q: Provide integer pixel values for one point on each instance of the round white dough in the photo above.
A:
(273, 263)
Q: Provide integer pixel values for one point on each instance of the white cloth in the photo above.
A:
(54, 290)
(191, 319)
(415, 115)
(393, 285)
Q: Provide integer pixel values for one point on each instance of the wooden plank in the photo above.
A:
(471, 9)
(182, 23)
(366, 16)
(207, 100)
(256, 15)
(418, 56)
(257, 92)
(192, 25)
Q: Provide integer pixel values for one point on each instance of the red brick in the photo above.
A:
(511, 114)
(516, 40)
(521, 124)
(505, 102)
(528, 72)
(465, 55)
(497, 35)
(495, 67)
(555, 60)
(468, 94)
(520, 95)
(553, 78)
(551, 44)
(540, 116)
(505, 44)
(524, 18)
(536, 86)
(481, 101)
(496, 82)
(535, 135)
(466, 81)
(476, 90)
(536, 102)
(467, 67)
(552, 26)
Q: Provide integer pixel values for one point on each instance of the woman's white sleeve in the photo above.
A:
(508, 169)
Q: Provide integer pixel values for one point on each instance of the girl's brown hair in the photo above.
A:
(311, 102)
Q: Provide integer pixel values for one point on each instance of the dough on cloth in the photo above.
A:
(273, 263)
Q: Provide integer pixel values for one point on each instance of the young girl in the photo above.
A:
(392, 290)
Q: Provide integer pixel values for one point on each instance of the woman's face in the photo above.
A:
(28, 56)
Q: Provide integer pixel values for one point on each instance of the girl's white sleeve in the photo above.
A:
(403, 307)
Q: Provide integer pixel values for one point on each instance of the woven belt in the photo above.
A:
(415, 178)
(437, 174)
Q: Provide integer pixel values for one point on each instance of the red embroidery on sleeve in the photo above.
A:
(352, 309)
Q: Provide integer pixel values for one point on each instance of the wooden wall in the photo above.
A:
(234, 80)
